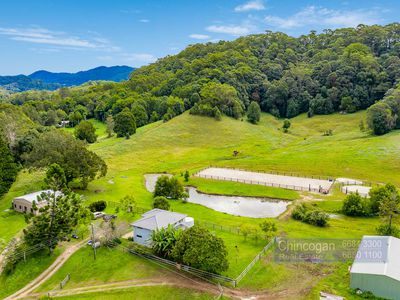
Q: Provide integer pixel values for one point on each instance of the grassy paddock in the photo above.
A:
(210, 186)
(192, 142)
(144, 293)
(12, 222)
(26, 271)
(110, 265)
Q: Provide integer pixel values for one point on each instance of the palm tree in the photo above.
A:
(164, 240)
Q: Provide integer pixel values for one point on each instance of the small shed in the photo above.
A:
(377, 267)
(156, 219)
(24, 204)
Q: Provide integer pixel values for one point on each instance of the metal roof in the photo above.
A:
(34, 196)
(157, 219)
(378, 255)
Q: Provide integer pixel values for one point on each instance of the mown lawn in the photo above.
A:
(110, 265)
(145, 293)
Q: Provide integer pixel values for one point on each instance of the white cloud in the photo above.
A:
(199, 36)
(144, 20)
(235, 30)
(139, 57)
(44, 36)
(251, 5)
(313, 15)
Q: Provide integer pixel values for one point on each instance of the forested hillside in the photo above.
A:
(20, 83)
(338, 70)
(44, 80)
(114, 73)
(344, 69)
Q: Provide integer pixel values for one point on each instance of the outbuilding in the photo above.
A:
(376, 268)
(24, 204)
(156, 219)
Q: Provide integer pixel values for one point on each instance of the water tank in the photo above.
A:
(188, 222)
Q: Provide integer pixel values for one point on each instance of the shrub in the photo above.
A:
(286, 125)
(85, 131)
(380, 118)
(379, 194)
(199, 248)
(245, 230)
(128, 204)
(124, 123)
(355, 205)
(310, 215)
(317, 218)
(98, 206)
(186, 176)
(386, 229)
(169, 187)
(164, 240)
(161, 203)
(299, 212)
(254, 112)
(269, 228)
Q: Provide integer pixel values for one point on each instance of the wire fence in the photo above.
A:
(65, 281)
(295, 174)
(273, 172)
(248, 232)
(23, 253)
(135, 209)
(180, 267)
(270, 184)
(361, 183)
(200, 273)
(255, 260)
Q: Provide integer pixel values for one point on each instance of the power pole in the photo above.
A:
(93, 242)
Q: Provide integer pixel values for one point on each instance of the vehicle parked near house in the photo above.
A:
(98, 215)
(108, 218)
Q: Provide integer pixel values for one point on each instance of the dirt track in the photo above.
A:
(57, 264)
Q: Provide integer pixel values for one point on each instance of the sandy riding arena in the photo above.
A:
(282, 181)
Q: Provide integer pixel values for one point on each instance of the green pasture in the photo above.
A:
(192, 142)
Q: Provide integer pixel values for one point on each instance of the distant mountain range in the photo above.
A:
(44, 80)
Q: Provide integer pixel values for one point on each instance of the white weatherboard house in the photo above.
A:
(156, 219)
(24, 203)
(377, 267)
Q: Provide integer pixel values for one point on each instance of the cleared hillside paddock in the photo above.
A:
(267, 179)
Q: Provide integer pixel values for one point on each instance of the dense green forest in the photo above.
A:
(345, 70)
(114, 73)
(20, 83)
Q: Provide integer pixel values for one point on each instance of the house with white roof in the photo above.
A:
(376, 267)
(156, 219)
(24, 203)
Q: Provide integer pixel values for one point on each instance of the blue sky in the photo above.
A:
(61, 35)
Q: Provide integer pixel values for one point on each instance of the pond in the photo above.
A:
(238, 206)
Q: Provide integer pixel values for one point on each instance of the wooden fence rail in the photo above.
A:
(277, 185)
